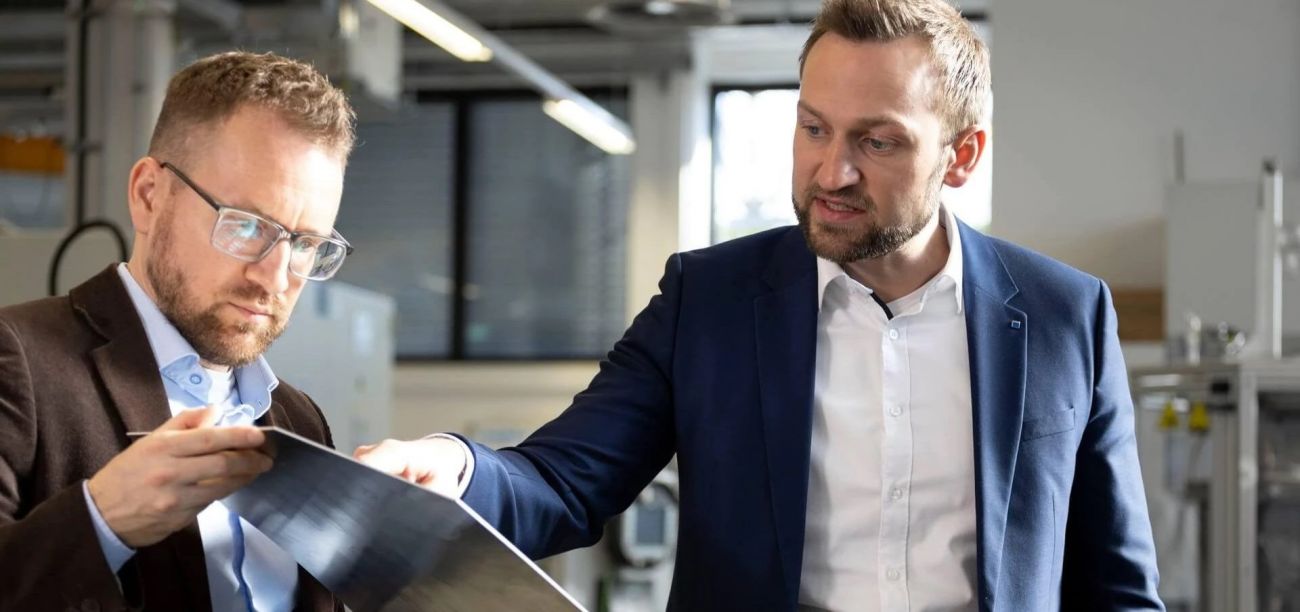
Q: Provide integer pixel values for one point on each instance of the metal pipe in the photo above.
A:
(1267, 341)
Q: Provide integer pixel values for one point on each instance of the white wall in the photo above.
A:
(474, 398)
(25, 262)
(1089, 95)
(1212, 229)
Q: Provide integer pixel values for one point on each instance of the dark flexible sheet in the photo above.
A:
(381, 543)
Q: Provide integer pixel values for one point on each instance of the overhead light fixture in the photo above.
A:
(349, 21)
(589, 121)
(427, 22)
(648, 16)
(470, 42)
(660, 7)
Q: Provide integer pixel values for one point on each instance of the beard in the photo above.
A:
(843, 244)
(215, 341)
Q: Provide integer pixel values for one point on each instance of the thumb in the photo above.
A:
(206, 416)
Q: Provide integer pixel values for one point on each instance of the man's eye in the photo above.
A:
(248, 229)
(878, 145)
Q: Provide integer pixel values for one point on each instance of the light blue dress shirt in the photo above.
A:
(269, 573)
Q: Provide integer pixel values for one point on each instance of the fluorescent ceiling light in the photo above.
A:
(419, 16)
(586, 122)
(471, 43)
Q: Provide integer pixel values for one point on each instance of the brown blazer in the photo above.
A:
(77, 373)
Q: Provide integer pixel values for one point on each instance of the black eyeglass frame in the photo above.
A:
(283, 232)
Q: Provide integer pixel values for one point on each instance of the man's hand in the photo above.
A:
(162, 481)
(435, 463)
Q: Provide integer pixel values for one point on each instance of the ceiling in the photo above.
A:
(557, 34)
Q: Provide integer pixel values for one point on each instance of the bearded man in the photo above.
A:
(233, 211)
(880, 409)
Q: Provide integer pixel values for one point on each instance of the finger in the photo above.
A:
(209, 440)
(190, 419)
(225, 464)
(363, 450)
(438, 483)
(211, 415)
(385, 459)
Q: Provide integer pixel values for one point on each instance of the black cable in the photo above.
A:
(77, 231)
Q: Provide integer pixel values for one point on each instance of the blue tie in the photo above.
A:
(237, 541)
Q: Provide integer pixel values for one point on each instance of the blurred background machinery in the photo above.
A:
(1229, 400)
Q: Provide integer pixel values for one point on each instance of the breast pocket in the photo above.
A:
(1055, 422)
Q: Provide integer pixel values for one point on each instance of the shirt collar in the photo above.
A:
(173, 352)
(829, 272)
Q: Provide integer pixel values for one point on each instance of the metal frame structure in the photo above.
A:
(1230, 531)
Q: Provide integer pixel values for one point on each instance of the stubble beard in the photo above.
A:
(842, 244)
(215, 341)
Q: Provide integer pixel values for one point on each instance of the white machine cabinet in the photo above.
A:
(1249, 489)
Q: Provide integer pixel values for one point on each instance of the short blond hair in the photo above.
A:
(213, 88)
(957, 53)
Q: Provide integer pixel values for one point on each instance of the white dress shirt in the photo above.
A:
(891, 494)
(243, 395)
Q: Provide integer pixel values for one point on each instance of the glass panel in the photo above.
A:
(396, 212)
(1278, 558)
(547, 223)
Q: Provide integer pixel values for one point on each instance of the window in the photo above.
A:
(752, 165)
(752, 162)
(397, 211)
(499, 233)
(546, 224)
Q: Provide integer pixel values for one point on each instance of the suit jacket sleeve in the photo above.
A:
(1110, 559)
(555, 490)
(50, 556)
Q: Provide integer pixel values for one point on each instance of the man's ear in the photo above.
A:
(144, 187)
(966, 150)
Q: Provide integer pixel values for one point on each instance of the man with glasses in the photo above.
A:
(233, 210)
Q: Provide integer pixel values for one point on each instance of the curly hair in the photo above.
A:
(213, 88)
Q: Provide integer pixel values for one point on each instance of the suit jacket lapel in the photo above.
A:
(178, 572)
(276, 416)
(126, 365)
(785, 327)
(997, 337)
(125, 362)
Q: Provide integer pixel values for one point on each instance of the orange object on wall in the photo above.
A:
(42, 155)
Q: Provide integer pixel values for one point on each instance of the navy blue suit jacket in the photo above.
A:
(719, 369)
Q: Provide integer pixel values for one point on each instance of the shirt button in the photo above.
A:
(895, 410)
(195, 379)
(893, 574)
(893, 334)
(896, 494)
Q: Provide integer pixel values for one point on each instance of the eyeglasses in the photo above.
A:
(250, 237)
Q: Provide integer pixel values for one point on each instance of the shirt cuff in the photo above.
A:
(462, 483)
(115, 552)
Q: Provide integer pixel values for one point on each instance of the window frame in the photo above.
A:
(462, 104)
